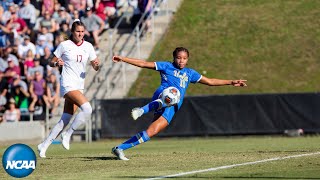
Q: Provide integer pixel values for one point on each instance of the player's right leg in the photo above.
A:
(65, 119)
(154, 105)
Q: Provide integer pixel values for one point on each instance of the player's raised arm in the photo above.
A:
(221, 82)
(135, 62)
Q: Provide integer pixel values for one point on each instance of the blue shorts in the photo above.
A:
(166, 112)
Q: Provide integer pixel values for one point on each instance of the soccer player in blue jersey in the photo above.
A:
(174, 74)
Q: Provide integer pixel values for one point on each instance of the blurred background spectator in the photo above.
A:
(46, 21)
(11, 71)
(28, 13)
(79, 5)
(12, 114)
(6, 53)
(30, 30)
(105, 9)
(47, 7)
(19, 92)
(37, 91)
(32, 70)
(94, 26)
(53, 93)
(25, 46)
(143, 6)
(28, 61)
(3, 93)
(63, 16)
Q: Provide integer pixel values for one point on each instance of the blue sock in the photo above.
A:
(154, 105)
(137, 139)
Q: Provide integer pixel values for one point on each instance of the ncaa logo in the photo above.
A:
(19, 160)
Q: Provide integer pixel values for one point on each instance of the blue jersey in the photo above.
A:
(179, 78)
(173, 76)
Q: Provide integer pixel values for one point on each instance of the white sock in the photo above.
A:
(65, 118)
(81, 117)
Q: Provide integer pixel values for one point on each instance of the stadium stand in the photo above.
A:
(41, 31)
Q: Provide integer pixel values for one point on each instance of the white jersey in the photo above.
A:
(75, 58)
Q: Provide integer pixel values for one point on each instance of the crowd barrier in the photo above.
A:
(219, 115)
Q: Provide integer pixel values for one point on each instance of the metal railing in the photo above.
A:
(104, 73)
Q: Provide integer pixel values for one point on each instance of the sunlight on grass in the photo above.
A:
(273, 44)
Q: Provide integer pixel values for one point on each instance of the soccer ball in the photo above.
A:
(170, 96)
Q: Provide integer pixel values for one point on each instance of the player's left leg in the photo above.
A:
(158, 125)
(85, 112)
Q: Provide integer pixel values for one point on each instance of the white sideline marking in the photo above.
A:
(233, 165)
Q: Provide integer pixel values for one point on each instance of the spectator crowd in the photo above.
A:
(30, 31)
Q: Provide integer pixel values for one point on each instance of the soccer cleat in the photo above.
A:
(136, 113)
(119, 153)
(65, 140)
(42, 151)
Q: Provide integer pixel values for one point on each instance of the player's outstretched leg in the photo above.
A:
(137, 139)
(138, 112)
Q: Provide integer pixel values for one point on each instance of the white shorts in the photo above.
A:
(65, 90)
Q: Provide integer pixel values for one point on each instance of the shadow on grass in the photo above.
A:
(102, 158)
(99, 158)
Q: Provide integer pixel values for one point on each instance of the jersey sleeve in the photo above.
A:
(92, 53)
(161, 65)
(194, 76)
(59, 51)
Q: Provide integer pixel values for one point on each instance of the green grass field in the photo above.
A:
(271, 43)
(166, 156)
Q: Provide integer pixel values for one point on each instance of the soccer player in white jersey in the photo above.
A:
(72, 55)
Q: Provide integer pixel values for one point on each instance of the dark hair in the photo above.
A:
(75, 24)
(177, 50)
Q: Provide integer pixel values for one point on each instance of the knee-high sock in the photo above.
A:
(137, 139)
(81, 117)
(64, 121)
(154, 105)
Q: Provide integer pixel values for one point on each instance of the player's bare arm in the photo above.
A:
(56, 62)
(135, 62)
(222, 82)
(95, 64)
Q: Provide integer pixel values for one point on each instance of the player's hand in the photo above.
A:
(240, 82)
(96, 64)
(117, 58)
(60, 62)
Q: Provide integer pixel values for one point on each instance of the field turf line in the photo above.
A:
(233, 165)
